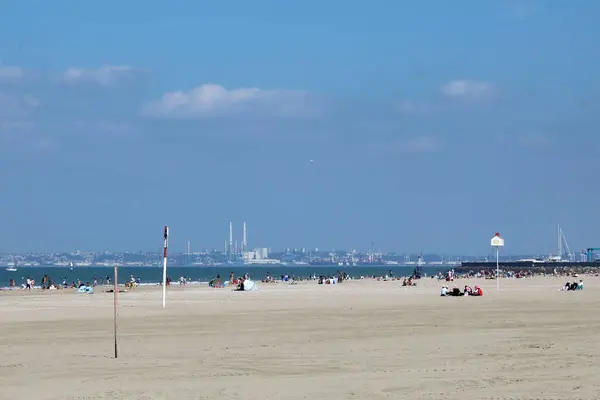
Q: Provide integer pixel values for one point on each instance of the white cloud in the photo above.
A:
(106, 75)
(10, 72)
(466, 89)
(212, 99)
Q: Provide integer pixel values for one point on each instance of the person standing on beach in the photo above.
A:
(28, 283)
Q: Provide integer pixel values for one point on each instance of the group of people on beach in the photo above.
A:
(573, 285)
(48, 283)
(468, 291)
(268, 278)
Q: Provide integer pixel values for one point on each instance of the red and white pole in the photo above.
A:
(164, 279)
(116, 293)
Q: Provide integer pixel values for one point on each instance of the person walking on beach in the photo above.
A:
(28, 283)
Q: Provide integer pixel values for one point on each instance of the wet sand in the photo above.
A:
(356, 340)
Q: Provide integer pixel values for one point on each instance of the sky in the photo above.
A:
(414, 125)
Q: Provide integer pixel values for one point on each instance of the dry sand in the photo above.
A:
(357, 340)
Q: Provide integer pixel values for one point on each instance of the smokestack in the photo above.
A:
(244, 243)
(230, 239)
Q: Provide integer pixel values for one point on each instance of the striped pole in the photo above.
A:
(164, 280)
(116, 293)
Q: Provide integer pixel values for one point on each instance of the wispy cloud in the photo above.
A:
(466, 89)
(17, 112)
(8, 72)
(451, 96)
(17, 105)
(212, 100)
(106, 75)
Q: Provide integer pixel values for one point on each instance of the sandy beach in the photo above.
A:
(356, 340)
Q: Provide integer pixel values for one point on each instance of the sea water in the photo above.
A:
(200, 274)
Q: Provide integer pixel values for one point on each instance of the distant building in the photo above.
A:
(258, 256)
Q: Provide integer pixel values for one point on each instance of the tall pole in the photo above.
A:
(244, 241)
(497, 242)
(164, 280)
(116, 292)
(497, 267)
(230, 241)
(560, 244)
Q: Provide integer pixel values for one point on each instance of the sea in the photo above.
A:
(201, 274)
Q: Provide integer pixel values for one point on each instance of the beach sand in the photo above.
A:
(356, 340)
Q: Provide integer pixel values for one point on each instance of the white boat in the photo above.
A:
(11, 269)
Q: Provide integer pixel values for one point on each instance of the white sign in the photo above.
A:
(497, 241)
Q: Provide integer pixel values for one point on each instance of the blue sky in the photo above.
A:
(432, 124)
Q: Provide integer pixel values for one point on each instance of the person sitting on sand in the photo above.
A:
(468, 290)
(240, 287)
(404, 283)
(477, 291)
(580, 285)
(444, 291)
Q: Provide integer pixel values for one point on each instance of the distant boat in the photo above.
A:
(11, 269)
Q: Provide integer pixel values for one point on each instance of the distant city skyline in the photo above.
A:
(263, 256)
(413, 125)
(179, 247)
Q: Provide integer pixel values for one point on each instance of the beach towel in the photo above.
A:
(86, 289)
(249, 285)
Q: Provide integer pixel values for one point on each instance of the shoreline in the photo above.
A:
(427, 281)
